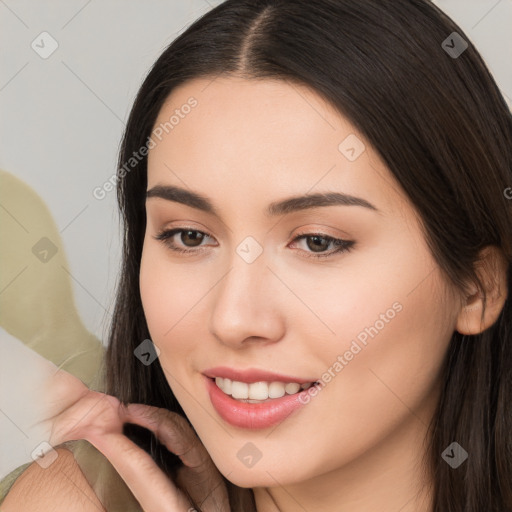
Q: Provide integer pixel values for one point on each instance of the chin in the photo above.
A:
(250, 478)
(264, 473)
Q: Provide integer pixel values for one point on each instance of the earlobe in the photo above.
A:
(492, 271)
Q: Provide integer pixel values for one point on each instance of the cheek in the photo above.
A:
(391, 378)
(392, 318)
(171, 296)
(164, 299)
(155, 296)
(392, 341)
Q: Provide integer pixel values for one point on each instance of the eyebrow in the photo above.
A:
(283, 207)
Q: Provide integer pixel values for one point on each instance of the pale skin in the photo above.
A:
(357, 446)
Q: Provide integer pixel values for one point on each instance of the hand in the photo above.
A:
(76, 412)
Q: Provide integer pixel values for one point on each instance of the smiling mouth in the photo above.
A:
(259, 392)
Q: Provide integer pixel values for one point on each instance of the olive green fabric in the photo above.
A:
(110, 488)
(37, 307)
(7, 482)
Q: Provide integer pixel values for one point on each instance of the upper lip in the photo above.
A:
(250, 375)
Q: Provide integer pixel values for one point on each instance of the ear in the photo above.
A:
(491, 268)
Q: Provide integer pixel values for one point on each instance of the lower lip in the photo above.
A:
(251, 415)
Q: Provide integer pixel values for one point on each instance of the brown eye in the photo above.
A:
(188, 238)
(194, 237)
(317, 245)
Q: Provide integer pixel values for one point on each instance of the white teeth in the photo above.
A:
(292, 388)
(258, 391)
(240, 389)
(276, 390)
(227, 386)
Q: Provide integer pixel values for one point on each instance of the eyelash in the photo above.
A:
(340, 244)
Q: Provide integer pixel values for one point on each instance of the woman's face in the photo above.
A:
(254, 301)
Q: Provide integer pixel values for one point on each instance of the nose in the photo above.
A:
(246, 305)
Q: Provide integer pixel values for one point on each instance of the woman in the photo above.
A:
(316, 268)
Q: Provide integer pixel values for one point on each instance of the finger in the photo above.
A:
(172, 430)
(200, 477)
(95, 417)
(150, 486)
(93, 412)
(56, 393)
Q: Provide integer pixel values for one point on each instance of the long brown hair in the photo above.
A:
(442, 127)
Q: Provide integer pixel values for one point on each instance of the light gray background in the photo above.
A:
(61, 121)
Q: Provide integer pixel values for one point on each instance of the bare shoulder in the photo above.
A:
(60, 487)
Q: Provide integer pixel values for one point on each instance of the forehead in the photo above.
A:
(263, 140)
